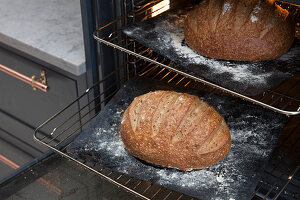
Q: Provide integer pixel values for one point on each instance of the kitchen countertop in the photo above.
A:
(49, 30)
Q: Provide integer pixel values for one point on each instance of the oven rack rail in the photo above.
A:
(116, 40)
(58, 131)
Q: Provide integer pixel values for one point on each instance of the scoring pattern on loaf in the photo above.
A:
(248, 30)
(175, 130)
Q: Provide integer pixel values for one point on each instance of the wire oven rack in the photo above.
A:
(58, 131)
(112, 39)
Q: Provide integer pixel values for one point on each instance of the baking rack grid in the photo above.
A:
(118, 40)
(61, 129)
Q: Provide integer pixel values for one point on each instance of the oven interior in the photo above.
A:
(119, 58)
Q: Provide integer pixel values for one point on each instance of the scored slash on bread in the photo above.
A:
(246, 30)
(176, 130)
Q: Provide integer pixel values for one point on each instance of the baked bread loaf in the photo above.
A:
(176, 130)
(246, 30)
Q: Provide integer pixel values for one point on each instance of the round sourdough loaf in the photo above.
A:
(176, 130)
(246, 30)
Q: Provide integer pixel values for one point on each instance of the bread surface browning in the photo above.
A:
(247, 30)
(174, 130)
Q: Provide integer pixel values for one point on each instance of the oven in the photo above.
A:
(113, 58)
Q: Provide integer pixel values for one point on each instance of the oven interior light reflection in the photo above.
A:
(160, 7)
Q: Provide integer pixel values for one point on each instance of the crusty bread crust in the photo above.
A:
(247, 30)
(174, 130)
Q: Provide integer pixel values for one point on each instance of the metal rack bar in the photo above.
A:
(297, 112)
(163, 69)
(286, 184)
(266, 94)
(119, 177)
(99, 172)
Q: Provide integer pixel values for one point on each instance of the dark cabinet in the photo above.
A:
(22, 109)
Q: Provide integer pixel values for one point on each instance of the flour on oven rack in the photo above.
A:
(175, 38)
(110, 142)
(254, 133)
(171, 36)
(208, 178)
(165, 35)
(240, 73)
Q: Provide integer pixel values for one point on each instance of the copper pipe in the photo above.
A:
(8, 162)
(24, 78)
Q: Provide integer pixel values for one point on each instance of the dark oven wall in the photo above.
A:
(103, 60)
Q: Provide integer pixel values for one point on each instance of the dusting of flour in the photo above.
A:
(253, 134)
(254, 13)
(239, 72)
(253, 18)
(169, 34)
(226, 8)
